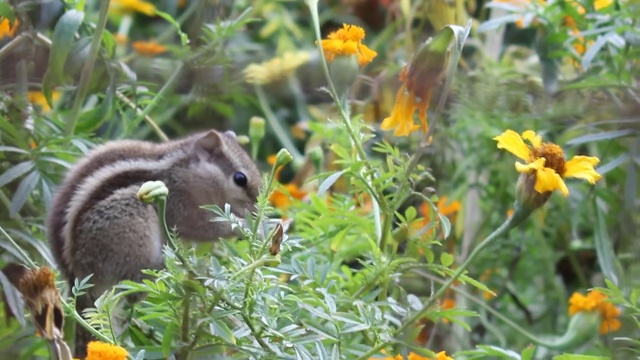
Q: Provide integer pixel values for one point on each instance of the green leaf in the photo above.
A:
(184, 39)
(329, 181)
(167, 337)
(579, 357)
(6, 11)
(601, 136)
(604, 247)
(221, 330)
(499, 352)
(527, 353)
(91, 120)
(15, 172)
(61, 43)
(446, 259)
(22, 192)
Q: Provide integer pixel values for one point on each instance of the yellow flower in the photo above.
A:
(148, 48)
(595, 301)
(601, 4)
(6, 29)
(348, 41)
(37, 98)
(546, 161)
(442, 355)
(275, 69)
(131, 6)
(97, 350)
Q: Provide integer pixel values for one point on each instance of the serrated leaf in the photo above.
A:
(15, 172)
(329, 181)
(61, 44)
(167, 338)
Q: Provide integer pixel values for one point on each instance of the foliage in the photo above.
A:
(370, 241)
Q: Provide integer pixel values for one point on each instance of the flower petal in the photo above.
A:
(512, 142)
(527, 168)
(548, 180)
(534, 139)
(581, 167)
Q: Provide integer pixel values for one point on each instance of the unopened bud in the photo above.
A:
(283, 157)
(242, 139)
(152, 191)
(257, 127)
(344, 70)
(583, 327)
(317, 157)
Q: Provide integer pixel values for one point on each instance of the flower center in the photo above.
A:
(554, 156)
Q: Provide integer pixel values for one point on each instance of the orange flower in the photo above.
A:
(148, 48)
(6, 29)
(442, 355)
(596, 301)
(348, 41)
(97, 350)
(122, 7)
(283, 199)
(446, 208)
(37, 98)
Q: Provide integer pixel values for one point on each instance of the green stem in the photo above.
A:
(87, 70)
(184, 328)
(519, 215)
(23, 254)
(163, 91)
(346, 120)
(277, 128)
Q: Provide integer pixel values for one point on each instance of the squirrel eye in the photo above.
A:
(240, 179)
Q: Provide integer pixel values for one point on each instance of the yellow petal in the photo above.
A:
(534, 139)
(526, 168)
(548, 180)
(581, 167)
(512, 142)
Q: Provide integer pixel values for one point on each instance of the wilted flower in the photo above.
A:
(545, 166)
(42, 297)
(132, 6)
(275, 69)
(595, 301)
(148, 48)
(348, 41)
(97, 350)
(419, 77)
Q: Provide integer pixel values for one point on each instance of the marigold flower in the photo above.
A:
(596, 301)
(275, 69)
(7, 29)
(122, 7)
(97, 350)
(148, 48)
(38, 98)
(348, 41)
(42, 297)
(445, 207)
(546, 163)
(442, 355)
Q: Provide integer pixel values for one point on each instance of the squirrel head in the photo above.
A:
(222, 172)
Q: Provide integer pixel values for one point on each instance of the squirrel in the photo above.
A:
(97, 225)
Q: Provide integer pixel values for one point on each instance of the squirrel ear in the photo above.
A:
(231, 134)
(208, 145)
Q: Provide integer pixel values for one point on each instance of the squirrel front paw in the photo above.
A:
(151, 191)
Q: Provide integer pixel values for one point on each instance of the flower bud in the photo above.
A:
(343, 70)
(283, 157)
(317, 157)
(582, 328)
(152, 191)
(242, 139)
(257, 128)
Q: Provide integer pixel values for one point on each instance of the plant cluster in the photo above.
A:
(390, 226)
